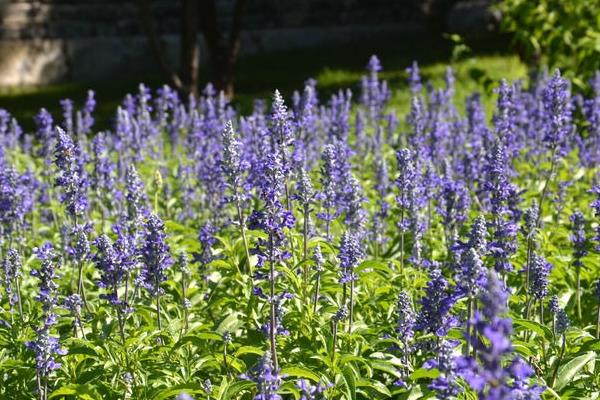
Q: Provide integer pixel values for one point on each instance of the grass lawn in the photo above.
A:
(332, 67)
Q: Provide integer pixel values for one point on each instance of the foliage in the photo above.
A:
(564, 34)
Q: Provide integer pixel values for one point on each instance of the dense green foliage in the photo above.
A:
(558, 33)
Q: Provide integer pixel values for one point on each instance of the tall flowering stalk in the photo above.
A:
(446, 385)
(305, 195)
(406, 184)
(233, 168)
(501, 195)
(434, 316)
(374, 92)
(45, 134)
(538, 286)
(382, 186)
(311, 392)
(579, 240)
(471, 273)
(530, 231)
(414, 78)
(351, 254)
(183, 264)
(273, 219)
(103, 175)
(505, 117)
(136, 200)
(471, 278)
(561, 321)
(17, 199)
(556, 99)
(282, 134)
(80, 253)
(267, 377)
(453, 206)
(12, 270)
(84, 119)
(73, 303)
(319, 263)
(328, 193)
(46, 346)
(336, 319)
(115, 261)
(156, 260)
(405, 329)
(69, 177)
(67, 112)
(206, 238)
(487, 373)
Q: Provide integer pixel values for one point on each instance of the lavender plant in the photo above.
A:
(473, 282)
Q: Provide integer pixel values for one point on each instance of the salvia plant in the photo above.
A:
(317, 247)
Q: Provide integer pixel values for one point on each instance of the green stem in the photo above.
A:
(351, 308)
(402, 241)
(242, 223)
(578, 290)
(317, 289)
(158, 311)
(19, 301)
(225, 358)
(469, 317)
(305, 245)
(334, 329)
(545, 188)
(559, 360)
(543, 341)
(81, 288)
(272, 308)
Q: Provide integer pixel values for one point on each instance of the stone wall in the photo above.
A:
(49, 41)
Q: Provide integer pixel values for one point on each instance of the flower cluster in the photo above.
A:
(489, 374)
(46, 347)
(156, 259)
(70, 178)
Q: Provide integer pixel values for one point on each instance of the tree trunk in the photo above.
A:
(145, 10)
(190, 52)
(186, 81)
(223, 51)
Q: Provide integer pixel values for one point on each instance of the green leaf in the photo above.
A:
(386, 367)
(229, 323)
(375, 385)
(424, 373)
(249, 350)
(237, 387)
(220, 392)
(82, 392)
(188, 388)
(533, 326)
(197, 339)
(81, 347)
(300, 372)
(350, 382)
(568, 371)
(209, 336)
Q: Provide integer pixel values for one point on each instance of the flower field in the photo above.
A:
(317, 248)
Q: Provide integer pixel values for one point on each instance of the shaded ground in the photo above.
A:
(332, 67)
